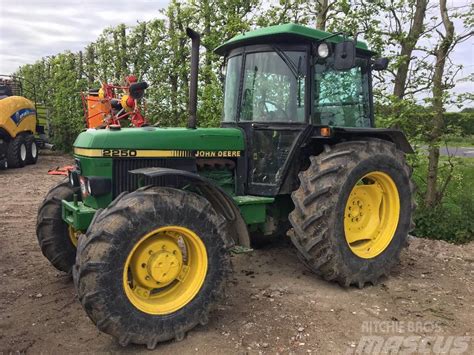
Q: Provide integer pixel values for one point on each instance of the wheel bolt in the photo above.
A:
(143, 265)
(147, 277)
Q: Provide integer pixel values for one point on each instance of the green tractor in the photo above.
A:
(148, 218)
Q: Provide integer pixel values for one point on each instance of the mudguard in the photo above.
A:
(218, 198)
(393, 135)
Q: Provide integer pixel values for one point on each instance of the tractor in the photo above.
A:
(149, 216)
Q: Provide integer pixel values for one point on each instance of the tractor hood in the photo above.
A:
(153, 138)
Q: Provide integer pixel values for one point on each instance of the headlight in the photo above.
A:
(323, 50)
(74, 178)
(85, 187)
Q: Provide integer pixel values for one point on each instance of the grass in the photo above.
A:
(458, 141)
(453, 219)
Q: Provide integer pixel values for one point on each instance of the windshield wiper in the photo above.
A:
(287, 61)
(294, 69)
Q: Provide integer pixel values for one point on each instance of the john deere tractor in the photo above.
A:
(158, 210)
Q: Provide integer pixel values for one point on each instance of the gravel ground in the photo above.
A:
(273, 304)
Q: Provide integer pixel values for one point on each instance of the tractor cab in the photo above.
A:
(288, 81)
(295, 74)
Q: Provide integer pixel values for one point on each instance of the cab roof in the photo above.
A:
(285, 32)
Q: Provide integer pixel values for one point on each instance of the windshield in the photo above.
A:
(231, 88)
(273, 87)
(342, 97)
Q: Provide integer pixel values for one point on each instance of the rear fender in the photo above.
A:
(392, 135)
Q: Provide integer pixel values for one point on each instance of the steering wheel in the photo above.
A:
(278, 108)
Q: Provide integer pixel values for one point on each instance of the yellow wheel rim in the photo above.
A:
(165, 270)
(73, 234)
(371, 214)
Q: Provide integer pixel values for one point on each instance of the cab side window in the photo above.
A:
(342, 97)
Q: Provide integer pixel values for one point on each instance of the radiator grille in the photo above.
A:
(123, 181)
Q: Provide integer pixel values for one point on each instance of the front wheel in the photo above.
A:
(353, 211)
(17, 152)
(56, 238)
(151, 265)
(31, 149)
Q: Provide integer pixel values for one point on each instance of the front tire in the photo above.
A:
(353, 211)
(131, 273)
(56, 239)
(31, 149)
(17, 152)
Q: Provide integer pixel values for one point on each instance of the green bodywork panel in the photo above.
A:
(80, 214)
(162, 138)
(221, 177)
(97, 167)
(289, 29)
(253, 208)
(77, 214)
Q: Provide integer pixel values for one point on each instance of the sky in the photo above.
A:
(31, 29)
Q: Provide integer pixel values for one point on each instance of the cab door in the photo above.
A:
(272, 113)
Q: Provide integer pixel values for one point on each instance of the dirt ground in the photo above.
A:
(273, 304)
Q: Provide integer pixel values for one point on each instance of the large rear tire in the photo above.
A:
(151, 265)
(16, 154)
(56, 239)
(353, 211)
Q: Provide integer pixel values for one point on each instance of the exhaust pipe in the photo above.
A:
(193, 81)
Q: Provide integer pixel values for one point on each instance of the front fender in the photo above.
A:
(220, 201)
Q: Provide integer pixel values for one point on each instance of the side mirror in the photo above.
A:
(344, 55)
(380, 64)
(137, 90)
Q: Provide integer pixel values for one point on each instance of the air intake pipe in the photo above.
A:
(193, 81)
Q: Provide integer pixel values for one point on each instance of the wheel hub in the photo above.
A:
(73, 235)
(164, 266)
(165, 270)
(23, 152)
(371, 214)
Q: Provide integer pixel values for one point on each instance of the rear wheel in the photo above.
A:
(31, 149)
(56, 238)
(17, 153)
(353, 211)
(151, 265)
